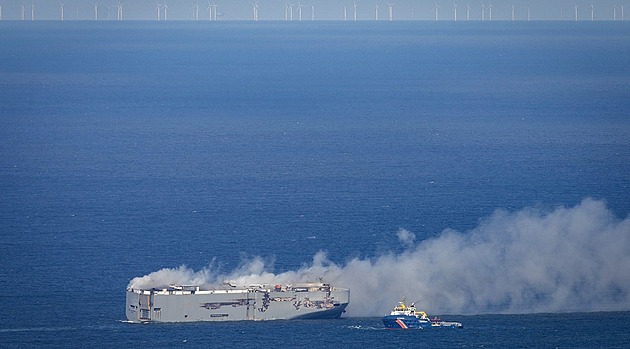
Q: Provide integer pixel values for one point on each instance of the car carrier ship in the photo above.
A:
(229, 302)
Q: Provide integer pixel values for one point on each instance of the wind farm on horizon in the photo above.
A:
(309, 10)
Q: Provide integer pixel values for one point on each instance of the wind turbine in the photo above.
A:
(529, 13)
(255, 8)
(376, 12)
(490, 9)
(391, 11)
(95, 10)
(436, 11)
(61, 8)
(300, 11)
(593, 12)
(483, 11)
(345, 13)
(455, 12)
(614, 12)
(196, 11)
(312, 12)
(286, 11)
(120, 11)
(355, 11)
(468, 11)
(158, 7)
(212, 17)
(576, 12)
(512, 12)
(165, 10)
(290, 12)
(0, 12)
(32, 11)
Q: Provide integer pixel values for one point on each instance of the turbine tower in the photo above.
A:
(0, 12)
(32, 12)
(436, 11)
(345, 13)
(490, 10)
(483, 12)
(614, 12)
(391, 11)
(593, 12)
(312, 12)
(512, 12)
(165, 10)
(196, 11)
(468, 12)
(300, 11)
(61, 9)
(376, 13)
(290, 12)
(158, 7)
(355, 11)
(255, 9)
(286, 11)
(22, 7)
(455, 12)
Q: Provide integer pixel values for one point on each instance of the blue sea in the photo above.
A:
(481, 169)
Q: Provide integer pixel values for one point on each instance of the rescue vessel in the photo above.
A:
(407, 317)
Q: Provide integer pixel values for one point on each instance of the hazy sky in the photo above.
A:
(324, 9)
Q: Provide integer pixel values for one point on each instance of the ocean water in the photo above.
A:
(480, 168)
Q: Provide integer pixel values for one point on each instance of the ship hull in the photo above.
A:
(404, 322)
(230, 304)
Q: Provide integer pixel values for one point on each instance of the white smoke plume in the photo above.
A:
(406, 237)
(570, 259)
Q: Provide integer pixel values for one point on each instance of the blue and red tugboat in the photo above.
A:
(407, 317)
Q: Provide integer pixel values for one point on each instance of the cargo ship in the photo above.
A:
(407, 317)
(229, 302)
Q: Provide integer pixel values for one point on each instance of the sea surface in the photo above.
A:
(128, 147)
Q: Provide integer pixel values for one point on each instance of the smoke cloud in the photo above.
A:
(565, 260)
